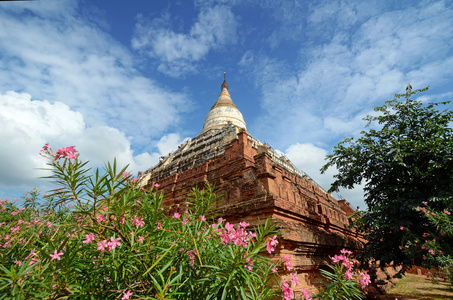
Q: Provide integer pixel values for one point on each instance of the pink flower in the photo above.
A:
(306, 294)
(294, 279)
(345, 252)
(88, 238)
(18, 262)
(288, 293)
(114, 243)
(249, 261)
(244, 224)
(239, 236)
(287, 262)
(125, 175)
(431, 251)
(347, 263)
(32, 253)
(33, 260)
(271, 243)
(176, 216)
(156, 185)
(401, 228)
(184, 221)
(229, 227)
(45, 147)
(127, 295)
(191, 254)
(365, 280)
(348, 274)
(17, 212)
(203, 218)
(56, 255)
(338, 258)
(138, 222)
(102, 245)
(274, 270)
(66, 152)
(447, 212)
(141, 238)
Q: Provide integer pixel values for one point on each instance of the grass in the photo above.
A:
(418, 287)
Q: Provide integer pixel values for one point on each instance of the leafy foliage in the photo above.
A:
(435, 246)
(342, 281)
(100, 236)
(404, 158)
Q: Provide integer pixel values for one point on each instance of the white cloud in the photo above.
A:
(29, 124)
(343, 14)
(436, 97)
(354, 67)
(308, 158)
(353, 70)
(169, 143)
(361, 62)
(177, 52)
(339, 124)
(49, 8)
(247, 59)
(55, 53)
(97, 100)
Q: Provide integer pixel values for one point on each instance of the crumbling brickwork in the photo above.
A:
(257, 183)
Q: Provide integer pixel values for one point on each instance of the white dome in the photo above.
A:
(223, 112)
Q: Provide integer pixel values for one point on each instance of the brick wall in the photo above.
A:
(256, 186)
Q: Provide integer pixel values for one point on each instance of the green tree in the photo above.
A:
(404, 158)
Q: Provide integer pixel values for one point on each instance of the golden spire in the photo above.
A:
(224, 84)
(223, 111)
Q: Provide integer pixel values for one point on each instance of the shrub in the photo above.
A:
(99, 235)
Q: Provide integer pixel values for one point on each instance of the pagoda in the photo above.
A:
(257, 183)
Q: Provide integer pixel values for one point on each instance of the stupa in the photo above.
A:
(257, 183)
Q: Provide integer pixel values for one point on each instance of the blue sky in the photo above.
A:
(133, 79)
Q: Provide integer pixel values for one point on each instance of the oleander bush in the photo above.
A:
(99, 235)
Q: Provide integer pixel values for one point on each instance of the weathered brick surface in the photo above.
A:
(257, 184)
